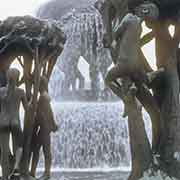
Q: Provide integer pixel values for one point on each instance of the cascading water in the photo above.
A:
(84, 30)
(93, 134)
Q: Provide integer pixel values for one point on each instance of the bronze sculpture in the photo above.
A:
(84, 39)
(40, 47)
(127, 55)
(142, 91)
(128, 80)
(11, 97)
(162, 102)
(44, 125)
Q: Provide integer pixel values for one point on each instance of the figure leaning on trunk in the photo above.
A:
(126, 48)
(11, 96)
(44, 125)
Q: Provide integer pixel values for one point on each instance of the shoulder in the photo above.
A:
(128, 18)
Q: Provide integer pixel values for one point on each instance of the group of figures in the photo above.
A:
(11, 97)
(84, 29)
(127, 56)
(137, 85)
(128, 79)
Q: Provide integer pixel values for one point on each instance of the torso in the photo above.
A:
(128, 46)
(42, 108)
(10, 105)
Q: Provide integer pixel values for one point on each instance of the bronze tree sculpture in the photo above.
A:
(43, 126)
(11, 97)
(36, 44)
(162, 102)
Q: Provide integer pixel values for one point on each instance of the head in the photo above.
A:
(43, 84)
(99, 5)
(148, 11)
(12, 75)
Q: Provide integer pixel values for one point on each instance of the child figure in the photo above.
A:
(126, 48)
(44, 125)
(11, 96)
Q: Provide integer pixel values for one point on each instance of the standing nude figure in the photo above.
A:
(11, 96)
(126, 47)
(44, 125)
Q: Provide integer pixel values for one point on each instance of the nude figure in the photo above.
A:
(126, 48)
(44, 125)
(11, 96)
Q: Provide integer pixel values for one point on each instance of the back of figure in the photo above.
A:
(129, 41)
(10, 105)
(44, 113)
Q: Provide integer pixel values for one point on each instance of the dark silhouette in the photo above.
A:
(44, 125)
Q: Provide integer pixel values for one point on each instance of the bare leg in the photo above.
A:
(4, 145)
(18, 156)
(47, 155)
(112, 80)
(112, 77)
(17, 137)
(46, 143)
(35, 160)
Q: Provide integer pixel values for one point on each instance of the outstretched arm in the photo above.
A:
(119, 30)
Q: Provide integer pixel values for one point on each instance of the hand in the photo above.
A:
(55, 128)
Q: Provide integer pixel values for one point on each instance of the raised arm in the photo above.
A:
(119, 30)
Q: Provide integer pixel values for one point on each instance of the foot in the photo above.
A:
(26, 177)
(44, 177)
(15, 174)
(32, 174)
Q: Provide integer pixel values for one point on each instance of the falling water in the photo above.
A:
(84, 30)
(91, 135)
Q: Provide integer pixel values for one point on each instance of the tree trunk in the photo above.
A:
(139, 143)
(166, 48)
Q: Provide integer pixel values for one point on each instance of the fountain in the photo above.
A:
(92, 133)
(84, 29)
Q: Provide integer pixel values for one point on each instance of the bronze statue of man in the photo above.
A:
(126, 47)
(11, 96)
(44, 125)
